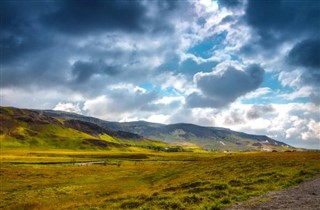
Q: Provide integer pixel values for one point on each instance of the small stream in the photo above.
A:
(86, 163)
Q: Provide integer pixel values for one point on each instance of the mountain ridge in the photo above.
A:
(209, 138)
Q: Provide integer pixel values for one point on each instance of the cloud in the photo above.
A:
(50, 63)
(291, 79)
(293, 123)
(303, 92)
(15, 45)
(85, 48)
(229, 3)
(122, 102)
(258, 93)
(313, 131)
(80, 17)
(37, 99)
(68, 107)
(305, 130)
(277, 21)
(315, 97)
(234, 118)
(18, 30)
(83, 71)
(306, 54)
(218, 89)
(199, 116)
(257, 111)
(157, 118)
(283, 37)
(277, 27)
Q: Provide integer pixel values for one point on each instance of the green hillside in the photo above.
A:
(184, 134)
(21, 128)
(212, 138)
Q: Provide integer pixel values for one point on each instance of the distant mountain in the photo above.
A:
(22, 128)
(210, 138)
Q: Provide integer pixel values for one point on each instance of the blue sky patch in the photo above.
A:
(208, 45)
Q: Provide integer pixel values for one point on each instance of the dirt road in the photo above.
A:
(305, 196)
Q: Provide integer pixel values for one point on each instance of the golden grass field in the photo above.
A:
(144, 179)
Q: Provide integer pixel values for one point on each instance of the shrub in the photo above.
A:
(235, 183)
(194, 199)
(131, 204)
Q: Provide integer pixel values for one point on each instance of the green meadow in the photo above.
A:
(144, 179)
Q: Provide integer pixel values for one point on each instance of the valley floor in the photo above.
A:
(59, 179)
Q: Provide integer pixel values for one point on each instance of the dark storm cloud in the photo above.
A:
(82, 71)
(221, 89)
(26, 48)
(45, 70)
(257, 111)
(30, 26)
(18, 15)
(198, 100)
(232, 82)
(81, 16)
(306, 54)
(19, 32)
(15, 46)
(274, 22)
(280, 20)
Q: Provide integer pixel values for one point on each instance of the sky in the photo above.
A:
(251, 66)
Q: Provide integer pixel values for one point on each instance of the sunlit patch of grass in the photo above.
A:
(108, 138)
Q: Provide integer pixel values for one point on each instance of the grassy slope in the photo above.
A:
(27, 129)
(146, 180)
